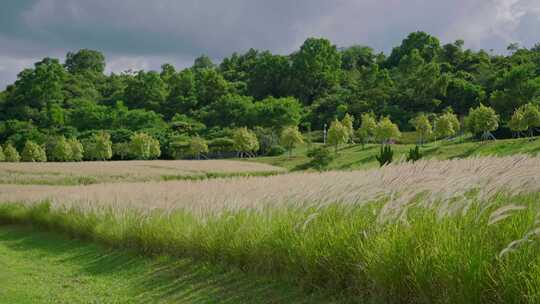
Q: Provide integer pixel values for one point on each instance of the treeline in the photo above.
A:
(264, 92)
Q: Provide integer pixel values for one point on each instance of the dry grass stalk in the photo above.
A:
(438, 181)
(13, 173)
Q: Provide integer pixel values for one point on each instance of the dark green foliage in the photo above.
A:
(320, 158)
(314, 85)
(385, 156)
(275, 151)
(85, 61)
(414, 154)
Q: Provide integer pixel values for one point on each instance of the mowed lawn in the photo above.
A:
(41, 267)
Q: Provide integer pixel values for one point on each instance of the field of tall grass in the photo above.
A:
(77, 173)
(455, 231)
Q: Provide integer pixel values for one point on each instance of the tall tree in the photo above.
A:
(85, 60)
(315, 69)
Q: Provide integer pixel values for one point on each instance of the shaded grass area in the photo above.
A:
(358, 157)
(350, 251)
(42, 267)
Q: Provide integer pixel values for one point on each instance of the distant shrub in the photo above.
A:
(144, 146)
(320, 158)
(245, 142)
(11, 154)
(60, 150)
(385, 156)
(121, 150)
(77, 149)
(221, 145)
(98, 147)
(276, 151)
(197, 146)
(33, 152)
(414, 154)
(290, 138)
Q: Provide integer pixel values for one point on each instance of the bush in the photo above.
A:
(11, 154)
(197, 146)
(144, 146)
(121, 151)
(414, 154)
(32, 152)
(2, 156)
(245, 142)
(98, 147)
(223, 144)
(320, 158)
(275, 151)
(77, 149)
(60, 150)
(385, 156)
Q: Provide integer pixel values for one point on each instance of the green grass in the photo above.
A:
(342, 249)
(357, 157)
(42, 267)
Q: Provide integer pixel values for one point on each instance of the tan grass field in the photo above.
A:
(436, 181)
(117, 171)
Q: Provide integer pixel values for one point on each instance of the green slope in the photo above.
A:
(358, 157)
(41, 267)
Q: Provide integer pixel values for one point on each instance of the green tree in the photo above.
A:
(482, 120)
(147, 91)
(245, 142)
(320, 158)
(422, 126)
(356, 57)
(197, 146)
(516, 87)
(290, 138)
(517, 122)
(77, 149)
(33, 152)
(60, 150)
(11, 154)
(230, 110)
(203, 62)
(121, 150)
(348, 122)
(98, 147)
(427, 46)
(367, 128)
(531, 117)
(144, 146)
(2, 155)
(277, 112)
(210, 86)
(386, 130)
(85, 60)
(315, 69)
(337, 134)
(446, 125)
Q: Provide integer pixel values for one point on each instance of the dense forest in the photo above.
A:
(264, 92)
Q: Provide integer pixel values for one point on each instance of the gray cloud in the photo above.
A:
(144, 34)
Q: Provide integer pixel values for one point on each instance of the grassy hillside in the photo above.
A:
(358, 157)
(40, 267)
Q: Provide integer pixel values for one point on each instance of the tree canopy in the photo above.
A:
(310, 87)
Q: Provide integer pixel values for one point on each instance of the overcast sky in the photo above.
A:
(143, 34)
